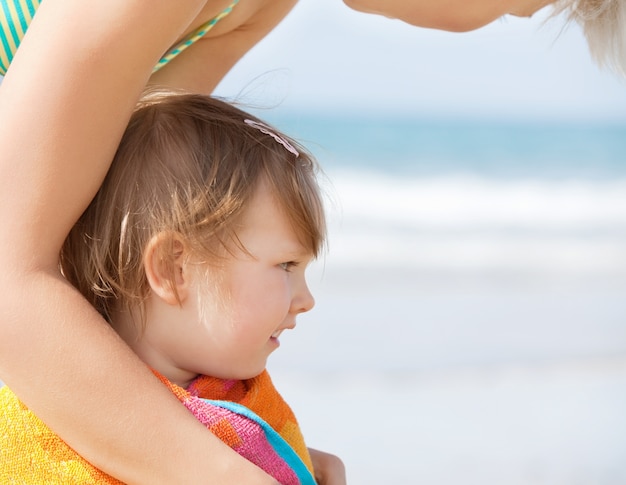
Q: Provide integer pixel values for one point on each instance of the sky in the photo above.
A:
(326, 57)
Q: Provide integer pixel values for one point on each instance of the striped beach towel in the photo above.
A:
(250, 416)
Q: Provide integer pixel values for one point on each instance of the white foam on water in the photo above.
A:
(476, 223)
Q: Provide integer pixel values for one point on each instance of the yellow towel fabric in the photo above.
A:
(30, 453)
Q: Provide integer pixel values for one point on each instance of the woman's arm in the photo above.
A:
(201, 67)
(451, 15)
(63, 107)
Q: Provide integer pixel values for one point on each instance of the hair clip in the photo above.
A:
(263, 128)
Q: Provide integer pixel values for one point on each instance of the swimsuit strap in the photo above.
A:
(15, 17)
(193, 37)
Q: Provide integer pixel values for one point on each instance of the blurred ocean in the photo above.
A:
(474, 196)
(470, 324)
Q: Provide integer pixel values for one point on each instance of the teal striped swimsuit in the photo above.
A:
(16, 15)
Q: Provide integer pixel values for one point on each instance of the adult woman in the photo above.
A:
(64, 104)
(63, 107)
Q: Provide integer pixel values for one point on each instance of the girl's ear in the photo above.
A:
(163, 263)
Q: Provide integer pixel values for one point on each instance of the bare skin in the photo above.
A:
(451, 15)
(63, 107)
(68, 103)
(328, 468)
(201, 67)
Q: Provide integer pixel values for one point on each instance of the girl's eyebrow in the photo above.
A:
(295, 250)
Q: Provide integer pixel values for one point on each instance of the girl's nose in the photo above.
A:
(303, 300)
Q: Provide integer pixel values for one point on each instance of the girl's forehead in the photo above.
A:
(265, 213)
(266, 220)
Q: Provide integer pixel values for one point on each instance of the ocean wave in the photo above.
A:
(461, 222)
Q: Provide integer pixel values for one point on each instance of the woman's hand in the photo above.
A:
(329, 469)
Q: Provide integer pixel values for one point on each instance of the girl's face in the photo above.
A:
(230, 332)
(452, 15)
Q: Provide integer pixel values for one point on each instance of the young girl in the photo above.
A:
(64, 104)
(194, 249)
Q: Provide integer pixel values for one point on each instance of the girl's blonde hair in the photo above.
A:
(187, 164)
(604, 25)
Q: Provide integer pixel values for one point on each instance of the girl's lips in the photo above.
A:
(274, 342)
(276, 334)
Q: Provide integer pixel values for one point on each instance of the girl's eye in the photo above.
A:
(288, 266)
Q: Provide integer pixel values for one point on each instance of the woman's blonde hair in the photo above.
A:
(187, 164)
(604, 25)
